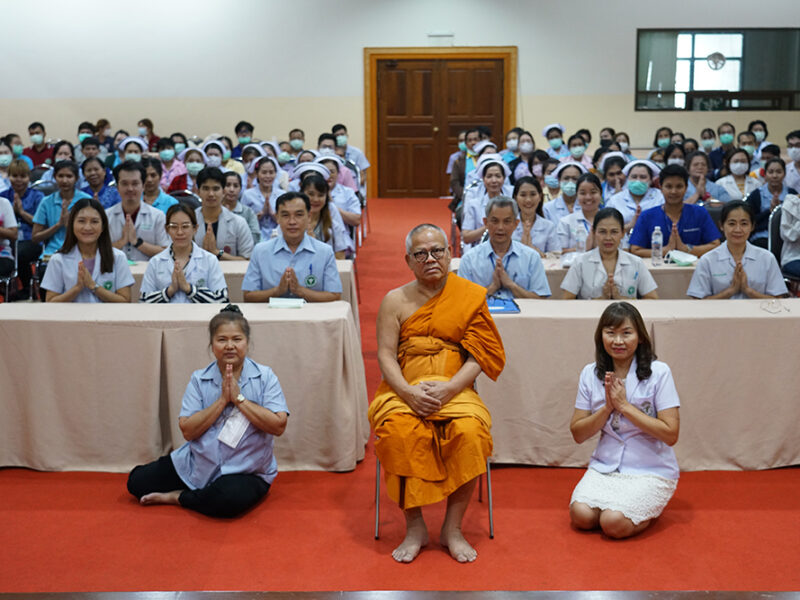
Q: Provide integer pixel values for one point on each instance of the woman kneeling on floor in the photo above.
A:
(631, 399)
(231, 410)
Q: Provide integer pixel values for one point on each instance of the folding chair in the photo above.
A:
(480, 496)
(5, 280)
(187, 197)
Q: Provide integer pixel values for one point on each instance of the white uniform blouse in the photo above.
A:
(623, 447)
(587, 276)
(202, 273)
(233, 233)
(62, 274)
(568, 227)
(714, 272)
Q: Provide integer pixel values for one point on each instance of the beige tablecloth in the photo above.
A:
(733, 363)
(99, 387)
(672, 280)
(234, 271)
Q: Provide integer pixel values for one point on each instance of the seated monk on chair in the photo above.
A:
(435, 336)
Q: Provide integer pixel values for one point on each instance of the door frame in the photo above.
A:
(508, 54)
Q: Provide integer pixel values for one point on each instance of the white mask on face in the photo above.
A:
(676, 161)
(214, 161)
(794, 153)
(512, 144)
(739, 168)
(623, 146)
(526, 147)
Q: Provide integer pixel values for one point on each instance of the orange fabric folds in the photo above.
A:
(425, 460)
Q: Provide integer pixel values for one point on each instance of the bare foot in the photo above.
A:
(416, 538)
(459, 548)
(160, 498)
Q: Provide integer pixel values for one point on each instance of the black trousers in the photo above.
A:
(228, 496)
(27, 253)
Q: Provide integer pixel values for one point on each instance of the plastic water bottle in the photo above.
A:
(580, 240)
(656, 244)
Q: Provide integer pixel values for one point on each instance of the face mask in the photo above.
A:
(179, 147)
(555, 143)
(659, 164)
(760, 135)
(537, 170)
(739, 168)
(577, 151)
(226, 156)
(36, 139)
(296, 144)
(17, 149)
(794, 153)
(526, 148)
(623, 146)
(5, 160)
(512, 145)
(551, 181)
(167, 155)
(214, 161)
(194, 168)
(676, 161)
(284, 157)
(662, 142)
(749, 149)
(636, 187)
(568, 188)
(341, 140)
(707, 144)
(83, 136)
(107, 132)
(462, 146)
(142, 131)
(726, 138)
(134, 157)
(244, 139)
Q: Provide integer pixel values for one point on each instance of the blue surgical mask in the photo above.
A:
(17, 149)
(555, 143)
(179, 147)
(551, 181)
(568, 188)
(5, 160)
(341, 140)
(226, 156)
(36, 139)
(296, 144)
(637, 187)
(83, 136)
(577, 151)
(194, 168)
(707, 143)
(284, 157)
(133, 157)
(167, 155)
(462, 146)
(726, 138)
(663, 142)
(749, 149)
(142, 131)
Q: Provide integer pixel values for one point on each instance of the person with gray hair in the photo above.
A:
(435, 336)
(505, 267)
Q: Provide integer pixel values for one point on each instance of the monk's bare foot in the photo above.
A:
(459, 548)
(160, 498)
(416, 538)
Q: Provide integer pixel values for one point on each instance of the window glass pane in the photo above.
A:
(727, 78)
(685, 45)
(729, 44)
(680, 100)
(682, 78)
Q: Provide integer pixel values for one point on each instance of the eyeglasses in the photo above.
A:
(422, 255)
(182, 226)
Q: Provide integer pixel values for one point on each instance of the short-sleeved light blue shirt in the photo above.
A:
(313, 263)
(205, 459)
(521, 263)
(714, 272)
(48, 213)
(543, 235)
(556, 209)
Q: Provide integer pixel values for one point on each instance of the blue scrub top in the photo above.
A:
(695, 226)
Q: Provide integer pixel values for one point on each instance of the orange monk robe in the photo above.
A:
(427, 459)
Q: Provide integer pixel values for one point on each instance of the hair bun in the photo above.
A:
(232, 308)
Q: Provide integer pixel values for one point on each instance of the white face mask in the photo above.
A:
(676, 161)
(623, 146)
(214, 161)
(512, 144)
(794, 153)
(526, 147)
(739, 168)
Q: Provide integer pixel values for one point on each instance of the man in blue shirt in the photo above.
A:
(506, 268)
(293, 264)
(685, 227)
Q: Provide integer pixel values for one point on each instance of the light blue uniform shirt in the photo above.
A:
(623, 447)
(205, 459)
(163, 201)
(543, 234)
(62, 274)
(48, 213)
(202, 270)
(717, 191)
(521, 263)
(714, 272)
(556, 209)
(253, 199)
(313, 263)
(345, 199)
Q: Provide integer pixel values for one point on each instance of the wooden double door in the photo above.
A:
(422, 107)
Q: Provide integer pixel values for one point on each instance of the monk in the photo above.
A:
(435, 336)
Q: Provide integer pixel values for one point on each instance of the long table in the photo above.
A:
(672, 280)
(733, 361)
(99, 387)
(234, 271)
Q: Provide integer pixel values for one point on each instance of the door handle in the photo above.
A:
(435, 130)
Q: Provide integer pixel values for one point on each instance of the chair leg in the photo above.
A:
(489, 494)
(377, 497)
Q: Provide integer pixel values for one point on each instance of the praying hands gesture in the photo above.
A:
(500, 278)
(129, 231)
(84, 277)
(610, 291)
(210, 240)
(616, 396)
(230, 387)
(64, 218)
(178, 281)
(675, 241)
(776, 201)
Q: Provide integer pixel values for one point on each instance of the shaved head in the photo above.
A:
(420, 229)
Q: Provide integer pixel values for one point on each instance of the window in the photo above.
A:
(744, 69)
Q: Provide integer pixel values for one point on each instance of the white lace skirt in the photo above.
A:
(638, 497)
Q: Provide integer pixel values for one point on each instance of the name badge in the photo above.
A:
(233, 430)
(146, 227)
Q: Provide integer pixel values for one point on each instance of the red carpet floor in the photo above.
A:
(83, 532)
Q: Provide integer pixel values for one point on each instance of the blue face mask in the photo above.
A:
(726, 138)
(284, 157)
(5, 160)
(749, 149)
(226, 156)
(142, 131)
(83, 136)
(462, 146)
(194, 168)
(179, 148)
(296, 144)
(636, 187)
(167, 155)
(244, 139)
(577, 151)
(341, 140)
(555, 143)
(134, 157)
(36, 139)
(551, 181)
(568, 188)
(707, 143)
(17, 149)
(663, 142)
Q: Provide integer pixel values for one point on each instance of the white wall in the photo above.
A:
(200, 65)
